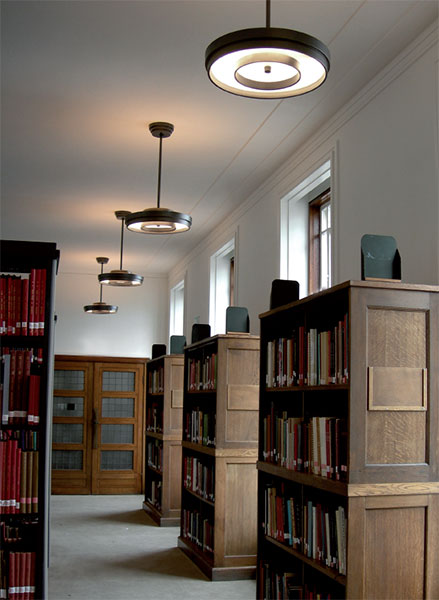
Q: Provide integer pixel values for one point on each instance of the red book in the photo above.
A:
(2, 474)
(9, 308)
(17, 479)
(12, 585)
(42, 302)
(32, 300)
(21, 576)
(26, 580)
(13, 477)
(24, 306)
(17, 305)
(32, 576)
(3, 304)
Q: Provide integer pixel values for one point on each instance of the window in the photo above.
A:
(176, 320)
(306, 232)
(222, 286)
(319, 243)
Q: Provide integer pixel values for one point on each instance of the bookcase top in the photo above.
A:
(376, 284)
(225, 336)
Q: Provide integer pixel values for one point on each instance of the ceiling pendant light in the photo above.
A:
(120, 276)
(267, 62)
(159, 220)
(100, 308)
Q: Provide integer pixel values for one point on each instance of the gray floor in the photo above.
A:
(107, 547)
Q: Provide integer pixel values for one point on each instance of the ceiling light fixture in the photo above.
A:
(120, 276)
(267, 62)
(159, 220)
(100, 308)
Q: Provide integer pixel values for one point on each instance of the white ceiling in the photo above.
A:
(81, 80)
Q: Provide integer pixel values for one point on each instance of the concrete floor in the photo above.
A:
(107, 547)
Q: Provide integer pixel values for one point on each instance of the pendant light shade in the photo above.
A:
(267, 62)
(121, 277)
(159, 220)
(101, 308)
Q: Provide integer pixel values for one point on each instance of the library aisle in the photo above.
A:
(108, 547)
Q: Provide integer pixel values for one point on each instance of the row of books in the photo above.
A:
(154, 493)
(20, 385)
(156, 381)
(154, 417)
(22, 303)
(199, 477)
(309, 357)
(316, 530)
(154, 455)
(199, 427)
(202, 373)
(276, 584)
(17, 575)
(317, 446)
(19, 478)
(198, 529)
(22, 531)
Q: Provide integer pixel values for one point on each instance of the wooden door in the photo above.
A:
(97, 427)
(71, 430)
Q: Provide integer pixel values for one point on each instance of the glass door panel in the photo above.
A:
(118, 405)
(71, 433)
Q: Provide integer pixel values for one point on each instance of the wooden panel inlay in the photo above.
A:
(386, 530)
(396, 437)
(397, 388)
(242, 397)
(242, 365)
(240, 519)
(176, 398)
(388, 332)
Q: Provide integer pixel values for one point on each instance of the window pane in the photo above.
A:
(67, 433)
(117, 434)
(116, 460)
(68, 380)
(324, 261)
(68, 407)
(67, 460)
(118, 381)
(118, 407)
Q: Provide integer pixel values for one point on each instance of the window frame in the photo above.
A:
(314, 241)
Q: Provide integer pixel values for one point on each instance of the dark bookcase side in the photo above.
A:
(26, 334)
(163, 410)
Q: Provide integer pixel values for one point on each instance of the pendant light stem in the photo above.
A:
(121, 243)
(267, 4)
(159, 181)
(100, 285)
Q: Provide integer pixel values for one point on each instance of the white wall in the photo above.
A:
(384, 147)
(140, 321)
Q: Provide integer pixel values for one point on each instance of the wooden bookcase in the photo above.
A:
(369, 421)
(164, 414)
(25, 426)
(220, 432)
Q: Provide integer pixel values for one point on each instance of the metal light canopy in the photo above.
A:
(159, 220)
(267, 62)
(101, 308)
(121, 277)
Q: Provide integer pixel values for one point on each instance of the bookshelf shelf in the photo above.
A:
(164, 430)
(364, 450)
(26, 304)
(226, 419)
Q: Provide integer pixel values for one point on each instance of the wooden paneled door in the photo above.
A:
(97, 441)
